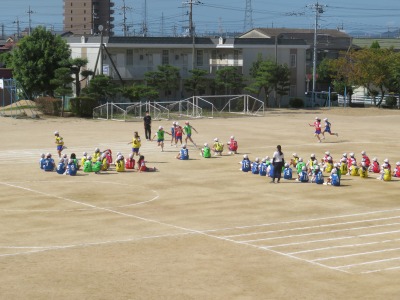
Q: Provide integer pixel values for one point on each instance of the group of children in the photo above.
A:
(313, 170)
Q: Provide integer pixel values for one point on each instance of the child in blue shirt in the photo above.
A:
(183, 153)
(255, 166)
(287, 172)
(263, 167)
(246, 164)
(303, 175)
(61, 167)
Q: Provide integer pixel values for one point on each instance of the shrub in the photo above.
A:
(49, 105)
(296, 103)
(391, 101)
(83, 106)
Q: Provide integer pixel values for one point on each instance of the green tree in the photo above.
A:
(197, 81)
(76, 65)
(138, 92)
(229, 80)
(101, 88)
(282, 82)
(264, 79)
(166, 79)
(35, 60)
(62, 81)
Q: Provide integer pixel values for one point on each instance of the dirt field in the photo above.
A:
(199, 229)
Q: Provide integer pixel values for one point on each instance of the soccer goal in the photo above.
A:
(109, 111)
(138, 110)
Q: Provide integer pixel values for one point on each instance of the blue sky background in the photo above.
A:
(218, 15)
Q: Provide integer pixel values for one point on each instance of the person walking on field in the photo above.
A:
(147, 125)
(278, 160)
(317, 126)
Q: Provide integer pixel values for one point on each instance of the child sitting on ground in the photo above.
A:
(334, 179)
(217, 147)
(353, 171)
(375, 167)
(83, 159)
(263, 167)
(300, 164)
(233, 145)
(317, 175)
(287, 172)
(303, 175)
(120, 163)
(206, 151)
(96, 167)
(87, 166)
(42, 160)
(142, 165)
(246, 164)
(255, 166)
(363, 170)
(183, 153)
(61, 167)
(396, 171)
(72, 169)
(130, 162)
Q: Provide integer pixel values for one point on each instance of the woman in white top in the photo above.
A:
(278, 161)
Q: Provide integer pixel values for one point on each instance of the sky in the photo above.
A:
(169, 17)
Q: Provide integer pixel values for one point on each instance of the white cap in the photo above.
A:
(385, 165)
(267, 157)
(61, 160)
(232, 137)
(70, 161)
(343, 159)
(84, 154)
(316, 118)
(103, 155)
(327, 153)
(186, 122)
(42, 155)
(326, 119)
(119, 157)
(363, 152)
(263, 160)
(131, 155)
(176, 123)
(317, 167)
(245, 156)
(295, 154)
(184, 146)
(336, 165)
(312, 155)
(286, 165)
(205, 144)
(345, 154)
(351, 154)
(173, 123)
(65, 156)
(329, 158)
(56, 132)
(334, 171)
(257, 159)
(160, 127)
(300, 159)
(216, 140)
(96, 150)
(354, 162)
(374, 159)
(89, 157)
(363, 163)
(398, 163)
(386, 160)
(304, 168)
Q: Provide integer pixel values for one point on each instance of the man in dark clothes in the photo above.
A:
(147, 126)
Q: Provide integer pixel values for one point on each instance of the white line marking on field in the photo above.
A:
(367, 263)
(343, 246)
(380, 270)
(321, 232)
(311, 227)
(333, 239)
(355, 254)
(304, 220)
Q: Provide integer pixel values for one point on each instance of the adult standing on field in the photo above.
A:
(278, 161)
(147, 125)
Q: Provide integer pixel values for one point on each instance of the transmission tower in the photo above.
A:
(30, 12)
(248, 17)
(144, 23)
(125, 27)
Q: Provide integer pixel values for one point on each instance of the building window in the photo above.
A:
(150, 59)
(129, 57)
(199, 58)
(214, 54)
(71, 11)
(236, 57)
(165, 57)
(84, 11)
(293, 60)
(71, 19)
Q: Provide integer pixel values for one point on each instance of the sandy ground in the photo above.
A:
(199, 229)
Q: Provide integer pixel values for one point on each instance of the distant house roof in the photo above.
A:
(326, 38)
(384, 43)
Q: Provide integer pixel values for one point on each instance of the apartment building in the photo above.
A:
(88, 17)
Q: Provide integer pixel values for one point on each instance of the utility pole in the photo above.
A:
(94, 17)
(124, 9)
(29, 12)
(144, 24)
(319, 9)
(18, 31)
(191, 28)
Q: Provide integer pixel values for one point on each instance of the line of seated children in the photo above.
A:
(385, 174)
(142, 165)
(263, 167)
(334, 178)
(396, 171)
(218, 147)
(206, 151)
(183, 153)
(232, 145)
(47, 163)
(343, 165)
